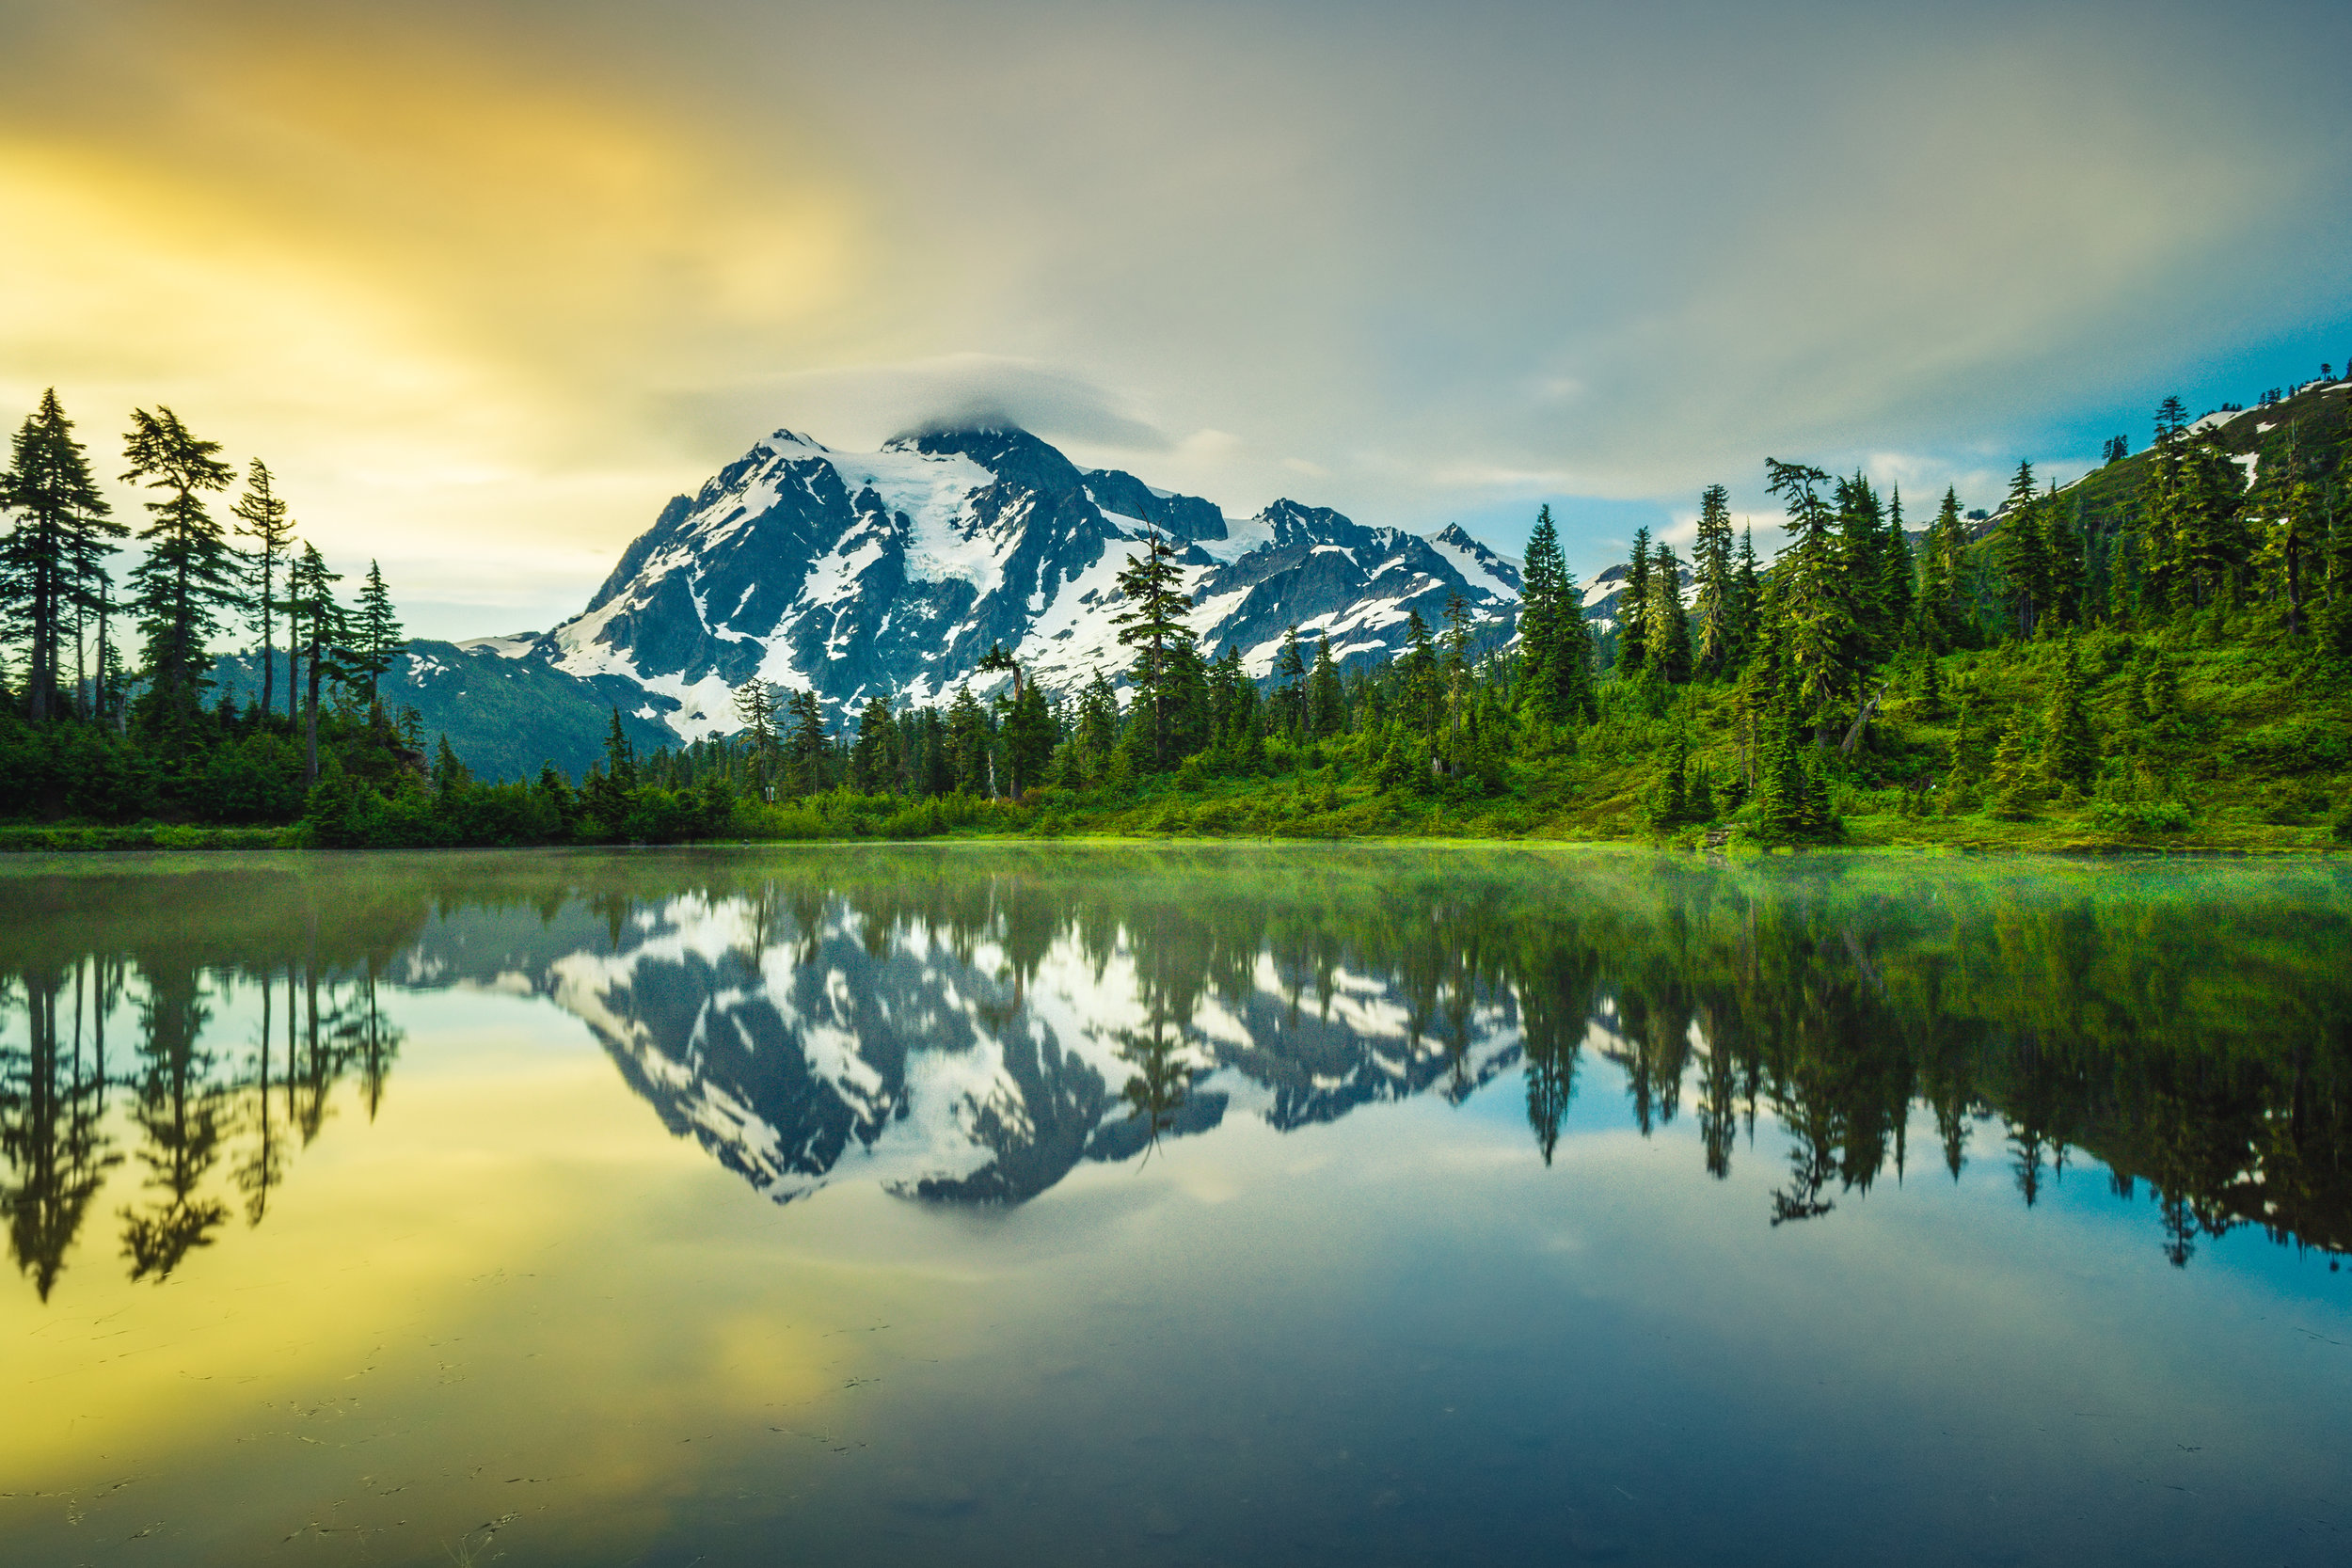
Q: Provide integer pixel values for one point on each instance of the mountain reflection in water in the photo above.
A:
(966, 1025)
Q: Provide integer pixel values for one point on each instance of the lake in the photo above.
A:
(1211, 1204)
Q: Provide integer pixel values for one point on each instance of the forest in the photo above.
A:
(2157, 654)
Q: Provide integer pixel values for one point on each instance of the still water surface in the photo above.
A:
(1221, 1205)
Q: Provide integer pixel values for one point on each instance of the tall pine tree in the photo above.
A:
(1633, 609)
(263, 517)
(1711, 567)
(189, 577)
(55, 545)
(1155, 627)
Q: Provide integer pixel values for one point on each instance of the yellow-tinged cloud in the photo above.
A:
(416, 273)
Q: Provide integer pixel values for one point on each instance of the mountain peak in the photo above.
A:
(891, 573)
(1001, 447)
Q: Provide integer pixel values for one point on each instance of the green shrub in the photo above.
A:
(2139, 819)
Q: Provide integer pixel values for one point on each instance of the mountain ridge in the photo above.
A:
(893, 573)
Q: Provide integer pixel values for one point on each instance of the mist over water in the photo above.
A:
(1222, 1204)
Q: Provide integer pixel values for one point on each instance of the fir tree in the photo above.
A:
(2012, 775)
(449, 776)
(1669, 622)
(1747, 605)
(1555, 639)
(756, 710)
(969, 744)
(1542, 613)
(1455, 672)
(1030, 734)
(51, 558)
(620, 755)
(1812, 600)
(1097, 736)
(806, 745)
(188, 578)
(1634, 606)
(1155, 627)
(1940, 575)
(1897, 572)
(1861, 560)
(1717, 592)
(318, 622)
(263, 519)
(1326, 704)
(2023, 551)
(2070, 754)
(377, 633)
(1289, 700)
(874, 759)
(2068, 575)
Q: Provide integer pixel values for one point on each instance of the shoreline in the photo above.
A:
(17, 841)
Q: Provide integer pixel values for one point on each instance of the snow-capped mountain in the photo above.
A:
(953, 1060)
(892, 572)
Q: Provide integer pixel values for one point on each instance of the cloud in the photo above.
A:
(519, 269)
(861, 405)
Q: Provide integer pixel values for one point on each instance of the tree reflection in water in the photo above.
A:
(2192, 1031)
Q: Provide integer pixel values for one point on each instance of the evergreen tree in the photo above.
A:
(1940, 577)
(2070, 754)
(1747, 607)
(806, 746)
(449, 776)
(263, 519)
(1633, 609)
(1717, 592)
(1669, 622)
(1555, 639)
(2124, 571)
(1861, 546)
(2022, 552)
(873, 760)
(377, 633)
(314, 618)
(2284, 503)
(1811, 600)
(1030, 734)
(939, 759)
(1422, 682)
(1288, 701)
(2012, 775)
(189, 577)
(1155, 627)
(1897, 573)
(51, 558)
(2162, 585)
(2068, 574)
(969, 745)
(1097, 735)
(1326, 704)
(1455, 673)
(2332, 620)
(1541, 615)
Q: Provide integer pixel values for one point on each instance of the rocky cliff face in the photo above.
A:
(892, 572)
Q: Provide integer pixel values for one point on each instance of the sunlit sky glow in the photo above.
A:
(486, 283)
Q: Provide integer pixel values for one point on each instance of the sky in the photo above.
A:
(486, 283)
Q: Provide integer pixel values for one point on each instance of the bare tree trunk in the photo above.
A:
(310, 724)
(1861, 722)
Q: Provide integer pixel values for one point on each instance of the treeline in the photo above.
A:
(2128, 674)
(2125, 672)
(108, 719)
